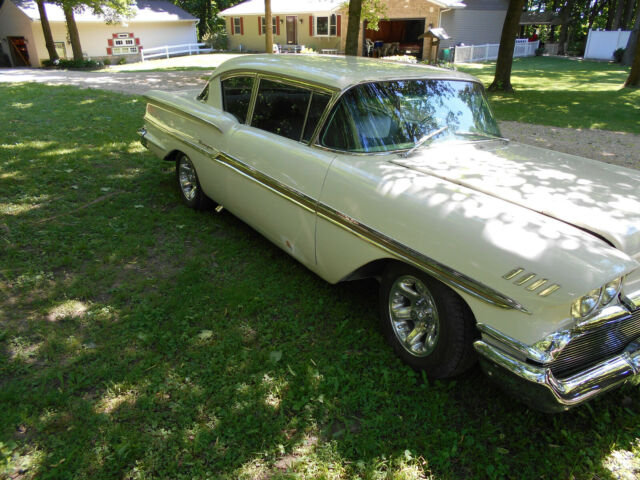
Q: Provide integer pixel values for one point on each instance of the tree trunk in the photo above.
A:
(611, 14)
(46, 31)
(268, 27)
(617, 17)
(72, 28)
(627, 17)
(565, 14)
(502, 79)
(633, 81)
(630, 50)
(353, 28)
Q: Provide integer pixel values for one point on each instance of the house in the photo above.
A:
(154, 23)
(322, 25)
(478, 24)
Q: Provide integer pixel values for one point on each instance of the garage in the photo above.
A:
(395, 37)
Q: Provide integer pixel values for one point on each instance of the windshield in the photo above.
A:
(397, 115)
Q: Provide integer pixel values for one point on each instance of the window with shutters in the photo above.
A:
(326, 26)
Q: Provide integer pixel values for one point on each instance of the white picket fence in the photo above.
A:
(489, 51)
(174, 50)
(602, 43)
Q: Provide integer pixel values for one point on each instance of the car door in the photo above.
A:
(276, 176)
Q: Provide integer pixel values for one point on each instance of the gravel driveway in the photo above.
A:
(619, 148)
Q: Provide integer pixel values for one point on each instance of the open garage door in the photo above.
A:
(397, 37)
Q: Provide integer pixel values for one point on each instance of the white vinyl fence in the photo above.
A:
(174, 50)
(483, 53)
(602, 43)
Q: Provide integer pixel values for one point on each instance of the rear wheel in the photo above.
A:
(189, 185)
(428, 325)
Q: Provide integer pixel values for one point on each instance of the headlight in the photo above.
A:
(610, 291)
(585, 305)
(599, 297)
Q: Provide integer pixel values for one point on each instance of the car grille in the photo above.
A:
(596, 345)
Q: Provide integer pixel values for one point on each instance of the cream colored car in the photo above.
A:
(524, 258)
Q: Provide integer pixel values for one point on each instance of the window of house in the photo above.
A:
(237, 26)
(236, 96)
(326, 26)
(61, 49)
(273, 25)
(281, 109)
(124, 50)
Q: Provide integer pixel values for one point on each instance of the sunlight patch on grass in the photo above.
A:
(623, 464)
(17, 208)
(111, 401)
(23, 349)
(68, 309)
(22, 106)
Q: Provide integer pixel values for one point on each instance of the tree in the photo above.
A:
(502, 79)
(353, 28)
(72, 28)
(111, 10)
(631, 49)
(633, 81)
(565, 15)
(268, 28)
(46, 31)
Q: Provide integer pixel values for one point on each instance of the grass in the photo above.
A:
(140, 339)
(563, 92)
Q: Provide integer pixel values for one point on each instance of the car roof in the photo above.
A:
(336, 72)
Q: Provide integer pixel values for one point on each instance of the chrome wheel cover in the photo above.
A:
(187, 178)
(414, 316)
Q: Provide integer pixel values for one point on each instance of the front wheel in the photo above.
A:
(428, 325)
(189, 184)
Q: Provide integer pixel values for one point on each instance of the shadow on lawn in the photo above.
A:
(140, 338)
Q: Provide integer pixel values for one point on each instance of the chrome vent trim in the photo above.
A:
(522, 279)
(596, 345)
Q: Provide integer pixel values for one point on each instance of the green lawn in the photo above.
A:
(565, 93)
(140, 339)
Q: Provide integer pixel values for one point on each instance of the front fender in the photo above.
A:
(470, 233)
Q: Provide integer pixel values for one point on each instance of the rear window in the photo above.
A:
(236, 96)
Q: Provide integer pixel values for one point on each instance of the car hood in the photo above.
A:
(601, 198)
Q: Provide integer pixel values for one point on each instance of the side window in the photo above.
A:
(318, 103)
(339, 131)
(204, 94)
(236, 96)
(281, 109)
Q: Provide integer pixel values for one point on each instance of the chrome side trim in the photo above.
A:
(511, 343)
(267, 182)
(443, 273)
(180, 137)
(168, 107)
(538, 387)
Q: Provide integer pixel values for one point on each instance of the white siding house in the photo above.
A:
(477, 24)
(155, 23)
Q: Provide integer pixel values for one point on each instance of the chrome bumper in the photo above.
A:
(142, 132)
(537, 386)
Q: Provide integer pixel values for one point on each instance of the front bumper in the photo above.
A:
(540, 389)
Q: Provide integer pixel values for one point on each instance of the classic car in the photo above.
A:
(522, 258)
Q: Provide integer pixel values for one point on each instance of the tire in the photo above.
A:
(189, 184)
(428, 325)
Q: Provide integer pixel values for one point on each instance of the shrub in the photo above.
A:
(73, 64)
(618, 54)
(122, 61)
(107, 62)
(539, 51)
